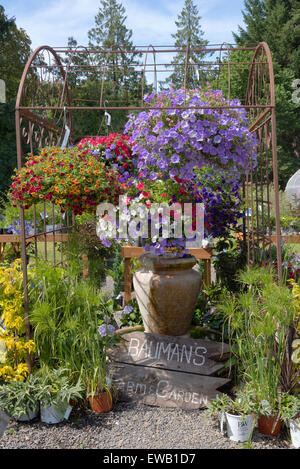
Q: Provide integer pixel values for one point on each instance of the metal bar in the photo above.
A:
(136, 52)
(130, 67)
(23, 244)
(147, 108)
(45, 231)
(53, 230)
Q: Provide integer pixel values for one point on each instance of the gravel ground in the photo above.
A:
(131, 426)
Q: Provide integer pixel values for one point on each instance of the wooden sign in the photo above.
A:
(168, 371)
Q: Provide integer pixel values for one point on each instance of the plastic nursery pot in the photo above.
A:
(266, 423)
(54, 414)
(239, 428)
(30, 415)
(295, 432)
(101, 403)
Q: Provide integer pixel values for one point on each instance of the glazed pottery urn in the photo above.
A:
(167, 289)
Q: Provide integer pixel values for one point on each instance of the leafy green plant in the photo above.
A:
(262, 322)
(63, 307)
(242, 404)
(82, 240)
(19, 397)
(131, 315)
(229, 258)
(73, 327)
(289, 223)
(54, 387)
(206, 312)
(290, 406)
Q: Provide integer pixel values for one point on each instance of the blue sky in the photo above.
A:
(51, 22)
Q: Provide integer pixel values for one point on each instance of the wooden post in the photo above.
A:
(207, 273)
(85, 265)
(127, 280)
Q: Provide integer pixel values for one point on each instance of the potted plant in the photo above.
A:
(95, 369)
(290, 413)
(70, 178)
(99, 389)
(73, 327)
(263, 322)
(181, 160)
(269, 420)
(54, 391)
(19, 398)
(237, 412)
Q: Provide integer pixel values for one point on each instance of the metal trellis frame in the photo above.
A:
(44, 106)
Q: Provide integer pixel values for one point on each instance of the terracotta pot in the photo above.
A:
(265, 425)
(167, 289)
(101, 403)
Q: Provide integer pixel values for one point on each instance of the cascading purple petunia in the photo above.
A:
(198, 146)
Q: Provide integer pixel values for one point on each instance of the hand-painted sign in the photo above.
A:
(168, 371)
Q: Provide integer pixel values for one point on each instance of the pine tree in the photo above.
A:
(111, 33)
(122, 81)
(189, 34)
(277, 22)
(254, 18)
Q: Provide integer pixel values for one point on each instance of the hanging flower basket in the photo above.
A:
(71, 178)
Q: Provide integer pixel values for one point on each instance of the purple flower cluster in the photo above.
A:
(175, 141)
(15, 227)
(127, 310)
(106, 329)
(192, 155)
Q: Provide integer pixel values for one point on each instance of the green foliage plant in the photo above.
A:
(55, 387)
(131, 315)
(242, 404)
(18, 398)
(262, 323)
(66, 317)
(290, 407)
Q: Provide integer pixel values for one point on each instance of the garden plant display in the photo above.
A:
(263, 320)
(19, 398)
(168, 156)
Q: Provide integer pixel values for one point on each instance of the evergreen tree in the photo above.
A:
(14, 53)
(122, 82)
(189, 34)
(111, 33)
(254, 18)
(277, 22)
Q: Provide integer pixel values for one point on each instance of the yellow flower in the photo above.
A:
(13, 345)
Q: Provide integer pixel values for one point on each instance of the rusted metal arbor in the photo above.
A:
(45, 111)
